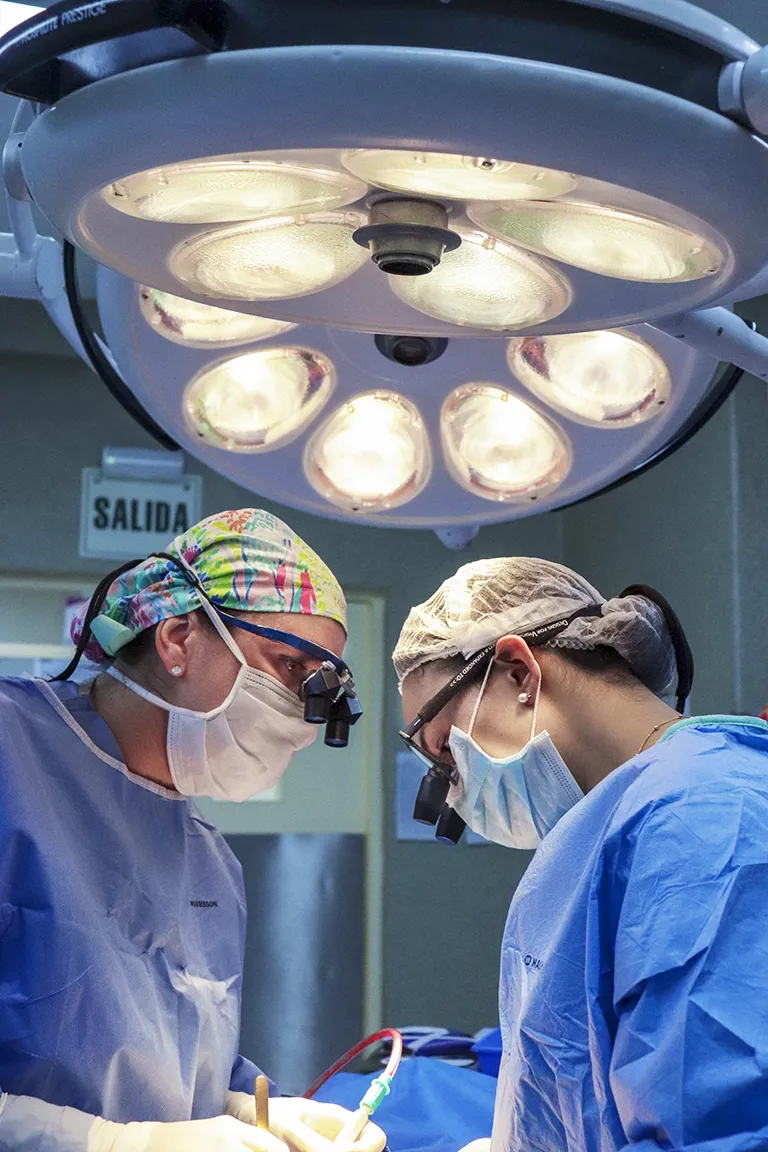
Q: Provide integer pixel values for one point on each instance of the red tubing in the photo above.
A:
(392, 1065)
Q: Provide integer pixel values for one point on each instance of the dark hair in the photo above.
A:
(140, 649)
(600, 661)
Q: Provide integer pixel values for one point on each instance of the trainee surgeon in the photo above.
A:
(633, 994)
(122, 911)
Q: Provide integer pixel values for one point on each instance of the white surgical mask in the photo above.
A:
(242, 747)
(517, 800)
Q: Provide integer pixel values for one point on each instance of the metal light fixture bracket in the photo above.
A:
(407, 237)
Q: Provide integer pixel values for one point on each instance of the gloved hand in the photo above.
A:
(305, 1125)
(220, 1134)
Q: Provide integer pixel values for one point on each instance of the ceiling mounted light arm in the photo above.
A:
(39, 276)
(18, 275)
(743, 91)
(723, 335)
(17, 196)
(35, 267)
(44, 58)
(31, 265)
(44, 276)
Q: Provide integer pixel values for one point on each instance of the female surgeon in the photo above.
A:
(633, 995)
(122, 912)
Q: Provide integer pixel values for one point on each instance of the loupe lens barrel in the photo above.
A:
(316, 709)
(450, 826)
(337, 733)
(431, 798)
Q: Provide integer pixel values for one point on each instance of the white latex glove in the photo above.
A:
(305, 1125)
(481, 1145)
(220, 1134)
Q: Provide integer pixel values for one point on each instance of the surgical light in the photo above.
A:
(604, 239)
(218, 190)
(605, 379)
(498, 447)
(271, 259)
(260, 400)
(373, 453)
(401, 202)
(487, 284)
(456, 177)
(201, 325)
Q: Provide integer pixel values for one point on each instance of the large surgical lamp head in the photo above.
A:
(284, 299)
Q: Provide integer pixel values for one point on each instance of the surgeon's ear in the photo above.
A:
(518, 662)
(174, 640)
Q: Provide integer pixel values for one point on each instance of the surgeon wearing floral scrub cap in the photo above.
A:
(119, 1005)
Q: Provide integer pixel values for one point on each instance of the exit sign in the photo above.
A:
(122, 519)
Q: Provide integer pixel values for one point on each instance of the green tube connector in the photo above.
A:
(379, 1089)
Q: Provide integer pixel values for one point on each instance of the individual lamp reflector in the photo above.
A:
(497, 447)
(372, 453)
(260, 400)
(609, 241)
(230, 188)
(456, 177)
(271, 259)
(487, 284)
(201, 325)
(607, 379)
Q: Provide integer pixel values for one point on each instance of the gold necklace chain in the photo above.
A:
(656, 728)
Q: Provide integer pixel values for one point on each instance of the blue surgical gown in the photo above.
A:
(122, 923)
(634, 980)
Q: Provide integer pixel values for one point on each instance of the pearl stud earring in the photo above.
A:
(524, 697)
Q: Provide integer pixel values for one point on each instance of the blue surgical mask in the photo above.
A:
(517, 800)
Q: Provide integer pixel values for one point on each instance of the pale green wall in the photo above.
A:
(672, 528)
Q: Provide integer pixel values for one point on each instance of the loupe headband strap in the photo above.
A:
(289, 638)
(277, 634)
(535, 637)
